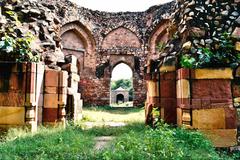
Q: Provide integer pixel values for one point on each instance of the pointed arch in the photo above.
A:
(159, 34)
(82, 32)
(77, 39)
(121, 37)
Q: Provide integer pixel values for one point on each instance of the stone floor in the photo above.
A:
(102, 142)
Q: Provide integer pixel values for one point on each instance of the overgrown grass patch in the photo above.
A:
(164, 142)
(111, 114)
(58, 143)
(134, 141)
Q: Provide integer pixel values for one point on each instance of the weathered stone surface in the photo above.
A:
(12, 115)
(50, 100)
(50, 115)
(224, 73)
(152, 89)
(51, 78)
(209, 119)
(222, 137)
(183, 89)
(211, 89)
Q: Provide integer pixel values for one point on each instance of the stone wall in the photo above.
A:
(61, 27)
(105, 35)
(202, 98)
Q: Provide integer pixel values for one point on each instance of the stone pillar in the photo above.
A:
(72, 90)
(205, 103)
(167, 95)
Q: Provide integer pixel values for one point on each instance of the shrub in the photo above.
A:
(17, 49)
(223, 54)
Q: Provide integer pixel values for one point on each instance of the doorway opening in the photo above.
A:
(121, 86)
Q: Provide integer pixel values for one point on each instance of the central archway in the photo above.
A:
(121, 86)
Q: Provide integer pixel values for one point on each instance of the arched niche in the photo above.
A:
(158, 35)
(78, 40)
(121, 37)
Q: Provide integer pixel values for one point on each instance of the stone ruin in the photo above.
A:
(85, 46)
(203, 99)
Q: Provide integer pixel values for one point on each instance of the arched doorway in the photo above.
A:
(120, 98)
(121, 86)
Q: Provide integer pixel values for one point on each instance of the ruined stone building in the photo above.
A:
(151, 43)
(119, 95)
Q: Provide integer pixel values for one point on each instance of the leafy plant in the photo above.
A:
(222, 54)
(17, 49)
(187, 61)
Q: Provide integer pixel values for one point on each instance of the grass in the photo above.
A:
(111, 114)
(126, 104)
(134, 141)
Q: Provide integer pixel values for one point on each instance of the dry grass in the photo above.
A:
(109, 114)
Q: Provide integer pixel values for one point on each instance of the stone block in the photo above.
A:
(209, 118)
(183, 88)
(231, 118)
(222, 137)
(12, 99)
(224, 73)
(152, 89)
(50, 114)
(211, 89)
(51, 90)
(169, 106)
(168, 88)
(237, 46)
(51, 78)
(12, 115)
(63, 79)
(50, 100)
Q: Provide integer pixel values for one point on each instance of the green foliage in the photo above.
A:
(164, 142)
(124, 83)
(14, 47)
(222, 54)
(133, 141)
(187, 61)
(161, 46)
(17, 49)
